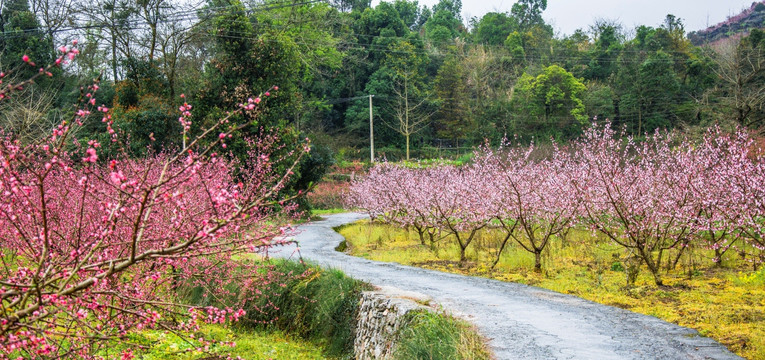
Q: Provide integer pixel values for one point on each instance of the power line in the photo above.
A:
(191, 14)
(184, 15)
(344, 100)
(370, 46)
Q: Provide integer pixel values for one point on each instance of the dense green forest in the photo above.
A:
(438, 80)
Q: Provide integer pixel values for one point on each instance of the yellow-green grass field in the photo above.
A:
(320, 212)
(725, 303)
(250, 344)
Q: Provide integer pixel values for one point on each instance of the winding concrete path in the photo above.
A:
(520, 321)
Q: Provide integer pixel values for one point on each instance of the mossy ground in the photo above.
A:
(725, 303)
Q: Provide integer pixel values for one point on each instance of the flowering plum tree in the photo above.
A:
(534, 200)
(739, 176)
(460, 207)
(420, 193)
(378, 194)
(91, 248)
(399, 195)
(717, 163)
(432, 200)
(635, 194)
(754, 224)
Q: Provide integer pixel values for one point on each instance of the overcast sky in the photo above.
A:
(569, 15)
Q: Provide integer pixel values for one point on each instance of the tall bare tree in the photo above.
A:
(175, 40)
(411, 109)
(29, 116)
(55, 16)
(115, 20)
(740, 68)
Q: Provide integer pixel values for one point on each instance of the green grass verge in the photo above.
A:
(725, 303)
(320, 212)
(250, 344)
(321, 305)
(428, 335)
(305, 301)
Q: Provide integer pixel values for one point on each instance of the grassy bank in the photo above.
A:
(304, 301)
(429, 335)
(725, 303)
(318, 304)
(320, 307)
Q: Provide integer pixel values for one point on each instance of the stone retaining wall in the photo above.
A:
(381, 314)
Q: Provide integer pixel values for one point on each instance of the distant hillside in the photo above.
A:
(741, 24)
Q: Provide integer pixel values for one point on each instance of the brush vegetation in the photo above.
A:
(306, 301)
(319, 307)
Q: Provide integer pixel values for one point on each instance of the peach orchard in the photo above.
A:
(659, 199)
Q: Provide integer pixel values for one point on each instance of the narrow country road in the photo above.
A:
(521, 322)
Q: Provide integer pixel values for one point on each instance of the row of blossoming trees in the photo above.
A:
(92, 248)
(658, 199)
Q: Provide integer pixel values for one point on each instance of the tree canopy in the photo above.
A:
(501, 74)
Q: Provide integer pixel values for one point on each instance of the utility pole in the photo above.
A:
(371, 123)
(371, 133)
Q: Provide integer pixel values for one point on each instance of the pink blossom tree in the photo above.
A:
(754, 215)
(92, 248)
(718, 161)
(739, 167)
(434, 200)
(635, 194)
(659, 198)
(377, 193)
(397, 194)
(461, 206)
(533, 199)
(420, 193)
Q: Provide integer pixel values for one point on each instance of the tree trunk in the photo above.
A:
(718, 258)
(657, 278)
(673, 264)
(112, 32)
(463, 248)
(407, 147)
(421, 233)
(655, 271)
(499, 253)
(406, 116)
(432, 236)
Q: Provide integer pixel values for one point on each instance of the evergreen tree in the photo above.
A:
(452, 120)
(549, 104)
(493, 28)
(22, 35)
